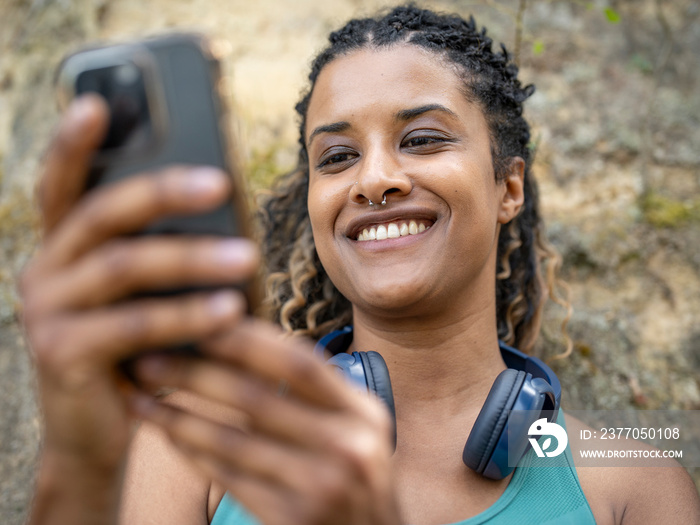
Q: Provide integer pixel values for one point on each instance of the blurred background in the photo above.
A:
(616, 117)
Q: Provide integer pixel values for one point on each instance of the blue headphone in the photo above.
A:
(528, 387)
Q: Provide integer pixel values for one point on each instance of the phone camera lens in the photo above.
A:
(88, 82)
(126, 75)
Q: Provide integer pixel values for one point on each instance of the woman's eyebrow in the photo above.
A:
(408, 114)
(336, 127)
(404, 114)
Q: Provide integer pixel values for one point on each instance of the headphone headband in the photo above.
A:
(335, 342)
(532, 365)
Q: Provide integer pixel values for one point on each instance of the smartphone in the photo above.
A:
(165, 108)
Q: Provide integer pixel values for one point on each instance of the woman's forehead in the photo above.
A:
(385, 79)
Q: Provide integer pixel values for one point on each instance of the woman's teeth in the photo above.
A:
(392, 230)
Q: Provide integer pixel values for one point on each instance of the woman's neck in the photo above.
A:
(452, 360)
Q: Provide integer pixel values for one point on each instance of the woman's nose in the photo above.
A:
(379, 177)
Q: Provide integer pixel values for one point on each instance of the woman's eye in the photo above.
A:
(338, 157)
(334, 158)
(424, 141)
(419, 141)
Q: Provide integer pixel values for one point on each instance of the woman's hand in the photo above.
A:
(317, 454)
(78, 318)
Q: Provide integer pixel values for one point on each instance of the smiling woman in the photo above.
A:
(410, 229)
(458, 96)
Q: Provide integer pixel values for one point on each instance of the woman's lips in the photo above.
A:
(390, 223)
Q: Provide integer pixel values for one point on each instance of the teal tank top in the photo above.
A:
(536, 495)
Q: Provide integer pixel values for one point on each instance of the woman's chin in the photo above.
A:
(394, 300)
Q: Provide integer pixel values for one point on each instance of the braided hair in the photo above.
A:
(300, 295)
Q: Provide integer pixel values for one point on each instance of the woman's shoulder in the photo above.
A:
(161, 484)
(628, 494)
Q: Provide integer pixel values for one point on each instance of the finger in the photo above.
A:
(353, 434)
(123, 267)
(79, 134)
(103, 337)
(257, 347)
(131, 205)
(282, 418)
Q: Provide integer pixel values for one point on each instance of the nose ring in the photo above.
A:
(374, 203)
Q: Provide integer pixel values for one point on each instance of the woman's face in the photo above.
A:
(395, 124)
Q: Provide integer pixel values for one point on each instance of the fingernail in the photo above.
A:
(205, 181)
(222, 304)
(80, 112)
(234, 252)
(151, 366)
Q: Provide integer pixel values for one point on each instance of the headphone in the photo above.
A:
(525, 392)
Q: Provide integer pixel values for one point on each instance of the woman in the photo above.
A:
(413, 191)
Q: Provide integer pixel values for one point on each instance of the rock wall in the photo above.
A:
(616, 114)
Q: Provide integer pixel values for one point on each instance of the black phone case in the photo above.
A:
(193, 133)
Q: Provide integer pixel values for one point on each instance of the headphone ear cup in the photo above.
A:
(378, 381)
(492, 419)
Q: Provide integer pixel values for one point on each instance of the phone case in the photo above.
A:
(188, 123)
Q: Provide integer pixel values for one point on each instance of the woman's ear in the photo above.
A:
(514, 191)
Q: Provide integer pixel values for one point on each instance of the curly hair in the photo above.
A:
(300, 295)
